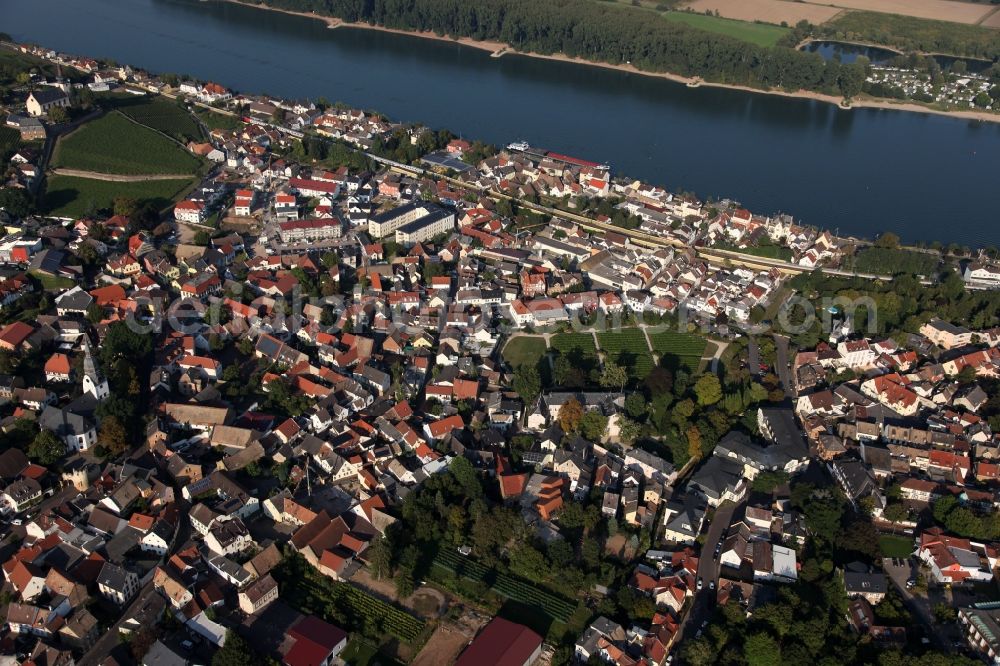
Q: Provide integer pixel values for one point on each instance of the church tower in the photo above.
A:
(94, 383)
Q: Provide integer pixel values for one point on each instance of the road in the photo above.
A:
(783, 368)
(708, 571)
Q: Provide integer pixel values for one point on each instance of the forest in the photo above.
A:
(603, 33)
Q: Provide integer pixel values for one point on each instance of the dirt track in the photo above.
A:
(119, 178)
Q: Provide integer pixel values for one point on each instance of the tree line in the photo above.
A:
(602, 33)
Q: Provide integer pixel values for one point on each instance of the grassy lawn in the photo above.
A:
(895, 546)
(162, 114)
(628, 348)
(53, 282)
(361, 653)
(68, 196)
(683, 349)
(114, 144)
(762, 34)
(524, 351)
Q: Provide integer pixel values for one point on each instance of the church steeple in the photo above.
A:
(94, 382)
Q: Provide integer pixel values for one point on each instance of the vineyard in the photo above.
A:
(685, 349)
(508, 586)
(10, 140)
(113, 144)
(629, 349)
(567, 343)
(343, 604)
(163, 115)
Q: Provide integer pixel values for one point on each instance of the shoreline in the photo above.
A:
(500, 49)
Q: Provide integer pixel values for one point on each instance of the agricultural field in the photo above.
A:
(762, 34)
(938, 10)
(161, 114)
(682, 349)
(68, 196)
(524, 350)
(511, 587)
(113, 144)
(628, 348)
(569, 343)
(766, 11)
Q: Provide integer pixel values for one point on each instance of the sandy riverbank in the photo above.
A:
(500, 49)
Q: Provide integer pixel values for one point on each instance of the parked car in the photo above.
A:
(701, 582)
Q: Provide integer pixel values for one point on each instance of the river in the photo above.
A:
(858, 172)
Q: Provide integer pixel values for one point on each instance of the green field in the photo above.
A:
(762, 34)
(161, 114)
(681, 349)
(570, 343)
(524, 351)
(114, 144)
(895, 546)
(628, 348)
(889, 261)
(215, 120)
(769, 251)
(68, 196)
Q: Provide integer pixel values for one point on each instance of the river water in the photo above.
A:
(858, 172)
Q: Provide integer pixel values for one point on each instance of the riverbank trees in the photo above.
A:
(602, 33)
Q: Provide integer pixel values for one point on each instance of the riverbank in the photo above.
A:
(499, 49)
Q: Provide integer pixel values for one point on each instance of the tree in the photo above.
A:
(761, 650)
(125, 206)
(112, 435)
(380, 558)
(708, 390)
(235, 652)
(694, 441)
(682, 412)
(614, 376)
(58, 115)
(527, 384)
(15, 201)
(896, 512)
(593, 425)
(636, 405)
(570, 415)
(887, 240)
(201, 237)
(628, 430)
(46, 448)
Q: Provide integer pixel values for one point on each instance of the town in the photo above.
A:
(290, 381)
